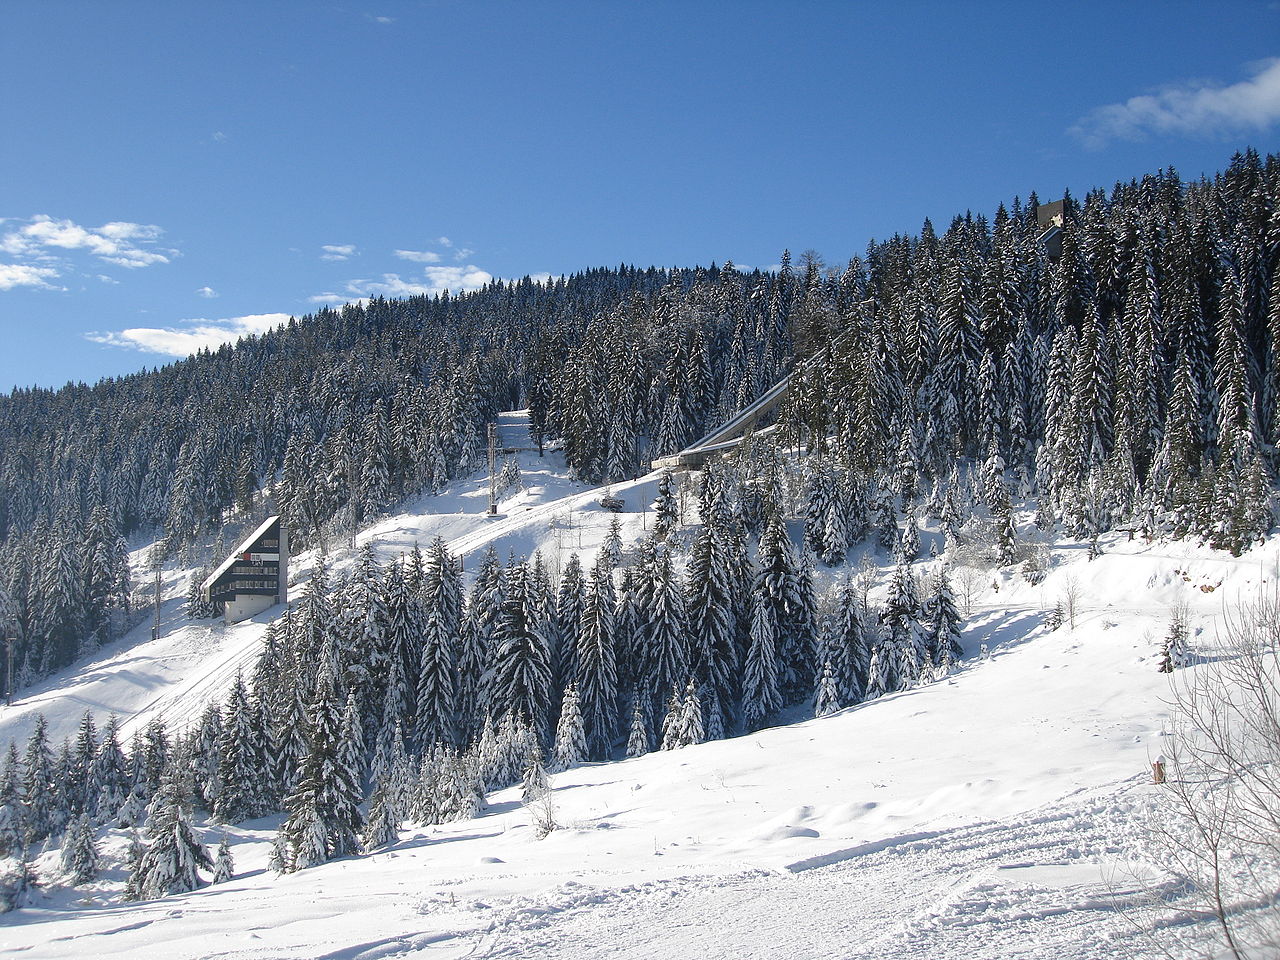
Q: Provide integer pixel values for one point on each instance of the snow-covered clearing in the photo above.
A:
(999, 813)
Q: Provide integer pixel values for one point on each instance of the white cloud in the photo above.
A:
(1194, 108)
(219, 137)
(120, 230)
(434, 280)
(444, 241)
(207, 292)
(191, 335)
(330, 298)
(120, 242)
(105, 279)
(384, 19)
(418, 256)
(24, 275)
(338, 251)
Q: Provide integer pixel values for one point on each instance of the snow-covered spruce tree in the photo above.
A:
(821, 535)
(667, 661)
(534, 781)
(424, 803)
(666, 508)
(281, 858)
(350, 782)
(11, 828)
(847, 645)
(638, 739)
(689, 726)
(80, 788)
(403, 640)
(442, 606)
(17, 878)
(902, 629)
(522, 669)
(778, 583)
(611, 548)
(908, 547)
(760, 694)
(174, 855)
(291, 744)
(224, 865)
(826, 699)
(571, 742)
(597, 685)
(196, 608)
(709, 606)
(110, 773)
(882, 667)
(670, 739)
(323, 810)
(943, 620)
(239, 774)
(11, 776)
(61, 803)
(80, 857)
(382, 826)
(627, 629)
(1173, 651)
(37, 783)
(565, 625)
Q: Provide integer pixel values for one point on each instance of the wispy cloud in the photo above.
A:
(24, 275)
(384, 20)
(1199, 108)
(43, 238)
(337, 251)
(207, 292)
(459, 253)
(434, 280)
(418, 256)
(189, 336)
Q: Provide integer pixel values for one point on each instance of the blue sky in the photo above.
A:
(175, 174)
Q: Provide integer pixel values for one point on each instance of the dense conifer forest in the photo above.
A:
(978, 378)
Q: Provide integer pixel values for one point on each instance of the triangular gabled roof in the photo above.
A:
(244, 547)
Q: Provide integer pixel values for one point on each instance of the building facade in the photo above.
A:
(255, 577)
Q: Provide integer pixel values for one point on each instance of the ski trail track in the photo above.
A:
(1046, 884)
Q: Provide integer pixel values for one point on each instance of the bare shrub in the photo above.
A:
(1070, 600)
(1218, 830)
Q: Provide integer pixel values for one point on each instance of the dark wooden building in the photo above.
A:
(255, 577)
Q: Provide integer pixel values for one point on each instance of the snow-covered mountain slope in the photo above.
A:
(998, 813)
(192, 663)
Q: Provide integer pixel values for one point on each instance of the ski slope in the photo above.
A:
(192, 663)
(1002, 812)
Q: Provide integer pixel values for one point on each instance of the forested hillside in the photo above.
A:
(1135, 377)
(971, 381)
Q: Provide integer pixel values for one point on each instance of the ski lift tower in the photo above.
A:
(255, 577)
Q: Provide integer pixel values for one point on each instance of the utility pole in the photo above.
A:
(155, 626)
(8, 696)
(493, 476)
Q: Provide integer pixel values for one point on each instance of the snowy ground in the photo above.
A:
(1000, 813)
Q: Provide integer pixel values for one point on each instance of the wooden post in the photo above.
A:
(1157, 771)
(8, 694)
